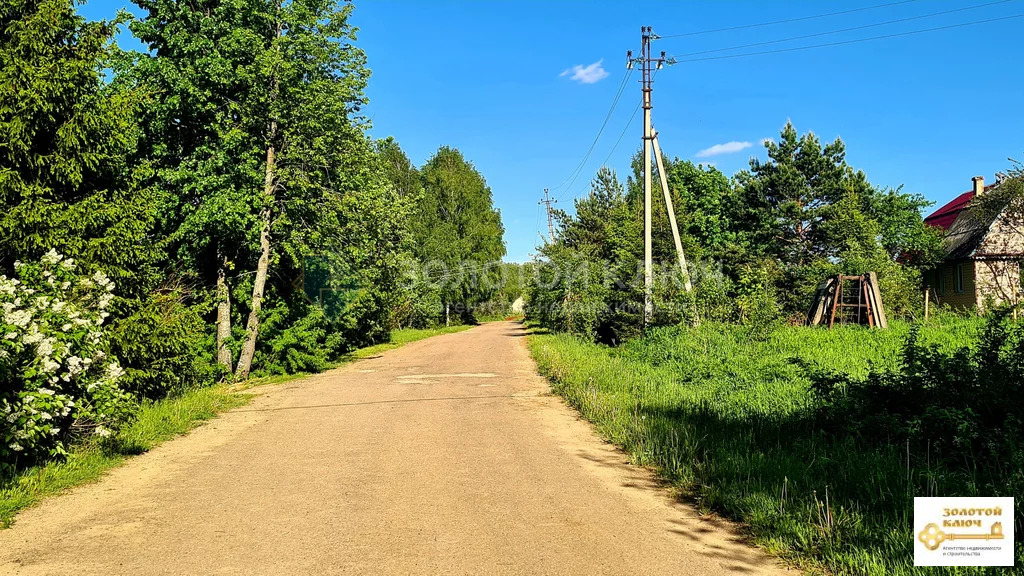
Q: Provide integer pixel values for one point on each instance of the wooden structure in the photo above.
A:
(848, 300)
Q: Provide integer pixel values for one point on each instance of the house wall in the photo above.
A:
(998, 260)
(1005, 236)
(946, 291)
(998, 281)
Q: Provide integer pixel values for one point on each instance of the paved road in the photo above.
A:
(446, 456)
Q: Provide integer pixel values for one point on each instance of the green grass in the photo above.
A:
(156, 422)
(725, 417)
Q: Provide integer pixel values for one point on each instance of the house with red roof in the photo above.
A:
(984, 243)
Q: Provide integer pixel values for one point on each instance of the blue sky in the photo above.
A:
(926, 111)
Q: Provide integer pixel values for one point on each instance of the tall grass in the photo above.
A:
(725, 416)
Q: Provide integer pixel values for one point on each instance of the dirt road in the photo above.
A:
(446, 456)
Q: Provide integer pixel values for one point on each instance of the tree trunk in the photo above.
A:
(223, 317)
(446, 306)
(252, 327)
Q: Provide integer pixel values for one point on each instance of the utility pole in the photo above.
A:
(547, 202)
(648, 64)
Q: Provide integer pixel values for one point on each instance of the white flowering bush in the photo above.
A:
(57, 381)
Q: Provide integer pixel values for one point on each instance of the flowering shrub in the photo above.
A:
(56, 379)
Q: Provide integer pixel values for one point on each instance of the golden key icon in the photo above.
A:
(932, 537)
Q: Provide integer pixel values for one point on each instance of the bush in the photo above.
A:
(962, 407)
(967, 402)
(304, 344)
(417, 304)
(57, 380)
(164, 347)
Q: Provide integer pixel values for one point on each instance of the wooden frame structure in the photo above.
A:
(848, 300)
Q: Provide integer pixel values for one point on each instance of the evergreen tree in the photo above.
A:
(65, 135)
(811, 214)
(785, 199)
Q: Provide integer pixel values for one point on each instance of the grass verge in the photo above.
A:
(157, 422)
(725, 418)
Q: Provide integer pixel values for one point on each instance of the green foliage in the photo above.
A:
(815, 216)
(511, 286)
(757, 246)
(959, 406)
(456, 231)
(337, 225)
(161, 169)
(399, 170)
(164, 345)
(65, 182)
(587, 283)
(307, 344)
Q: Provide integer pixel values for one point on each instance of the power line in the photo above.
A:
(536, 224)
(576, 172)
(842, 30)
(626, 127)
(843, 42)
(748, 26)
(624, 130)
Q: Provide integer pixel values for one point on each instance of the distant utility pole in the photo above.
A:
(547, 202)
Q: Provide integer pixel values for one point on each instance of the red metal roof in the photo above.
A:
(943, 217)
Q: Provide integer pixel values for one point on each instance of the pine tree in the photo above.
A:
(65, 135)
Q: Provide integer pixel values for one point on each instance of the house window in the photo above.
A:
(958, 279)
(940, 277)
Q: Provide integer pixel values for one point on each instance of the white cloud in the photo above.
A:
(586, 74)
(727, 148)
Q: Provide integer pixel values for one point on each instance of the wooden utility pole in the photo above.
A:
(547, 202)
(647, 63)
